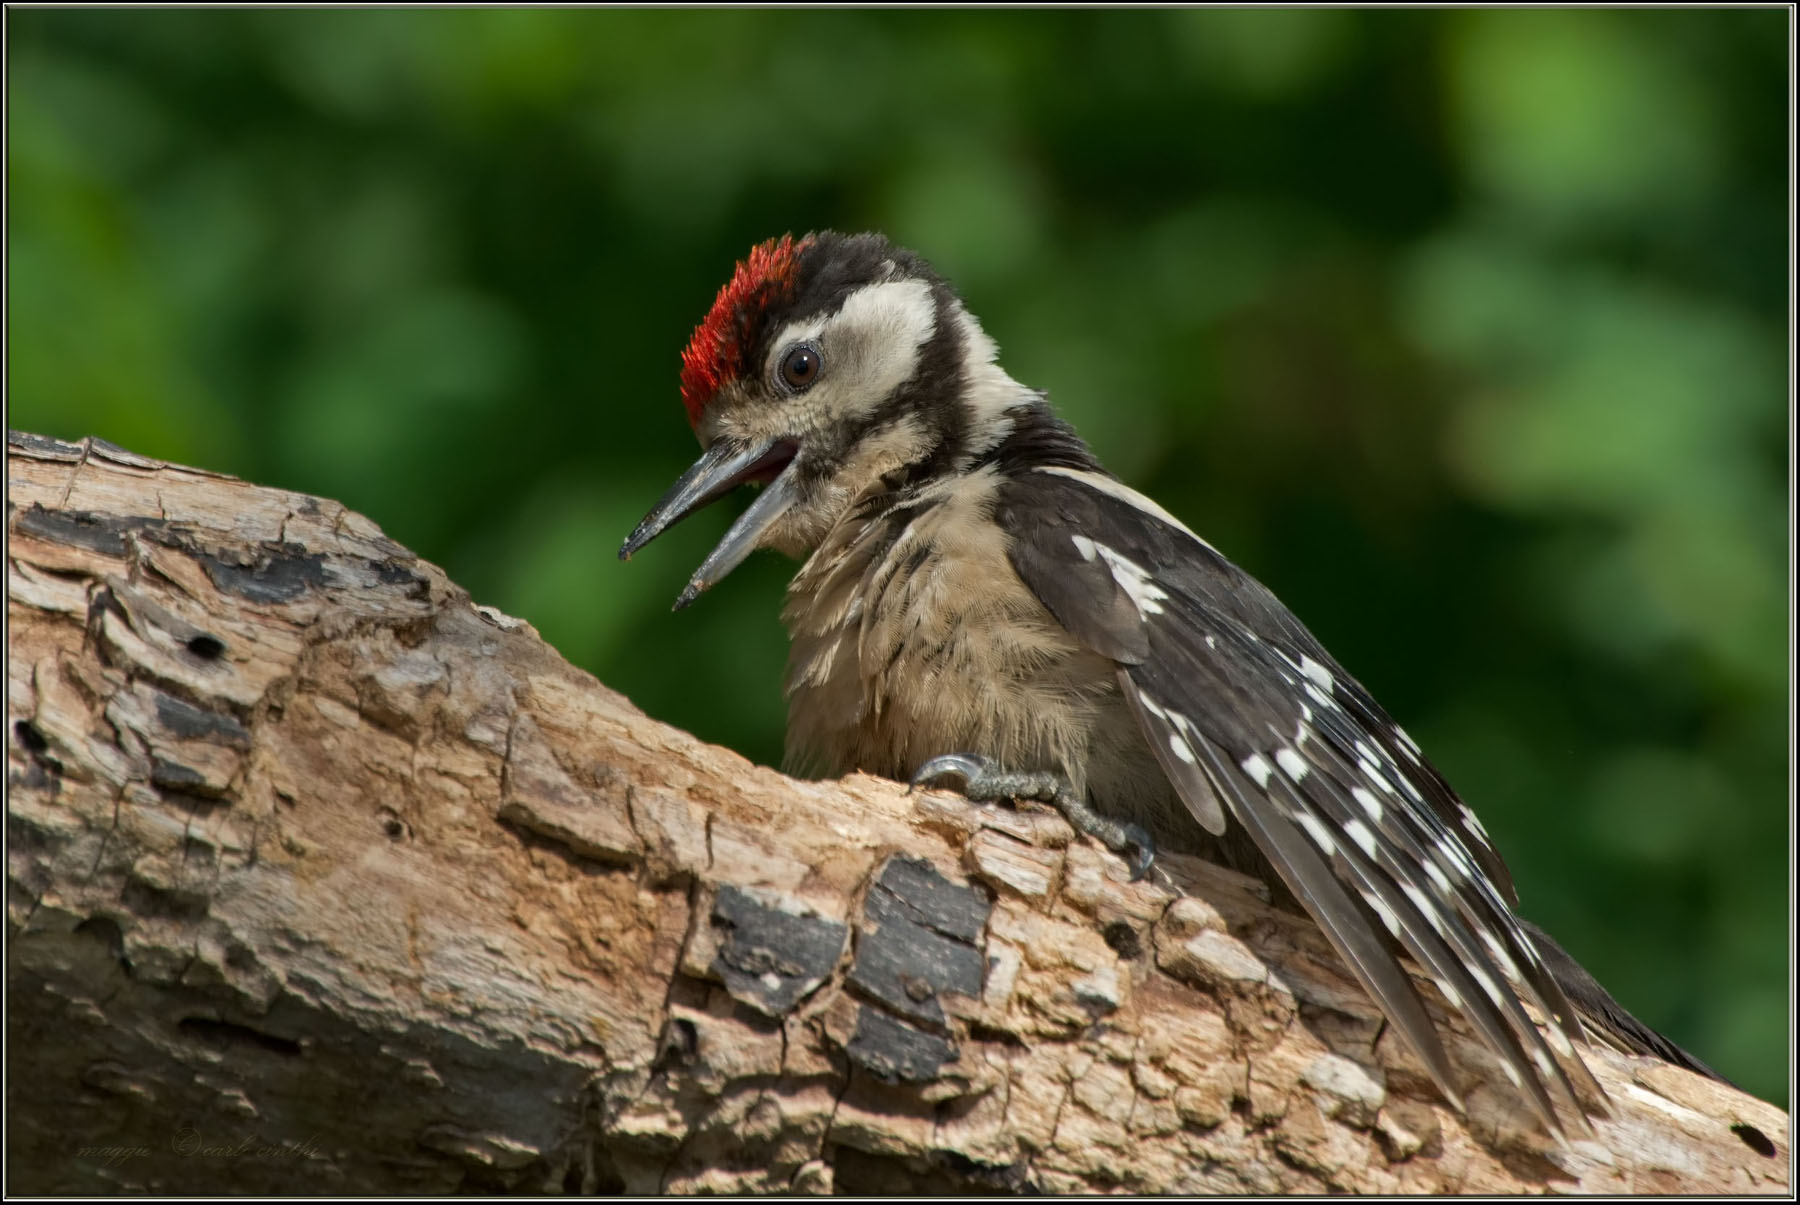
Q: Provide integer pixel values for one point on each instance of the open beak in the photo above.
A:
(723, 468)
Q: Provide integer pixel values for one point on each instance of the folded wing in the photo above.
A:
(1255, 724)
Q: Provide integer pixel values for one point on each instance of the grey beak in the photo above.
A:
(720, 470)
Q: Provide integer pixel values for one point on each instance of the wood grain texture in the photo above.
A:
(322, 878)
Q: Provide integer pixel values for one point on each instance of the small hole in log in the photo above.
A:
(222, 1033)
(205, 646)
(1755, 1139)
(1123, 939)
(105, 930)
(681, 1041)
(30, 737)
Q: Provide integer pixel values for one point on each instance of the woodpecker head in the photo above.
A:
(828, 364)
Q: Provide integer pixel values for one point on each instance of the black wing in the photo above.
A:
(1242, 705)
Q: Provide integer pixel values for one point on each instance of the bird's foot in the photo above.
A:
(983, 781)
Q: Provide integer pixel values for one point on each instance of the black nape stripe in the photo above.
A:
(932, 394)
(934, 391)
(1040, 440)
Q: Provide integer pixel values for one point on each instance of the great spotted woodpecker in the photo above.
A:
(981, 600)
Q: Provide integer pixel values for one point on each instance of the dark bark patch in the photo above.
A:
(771, 957)
(903, 965)
(42, 446)
(188, 722)
(104, 534)
(893, 1051)
(281, 574)
(916, 890)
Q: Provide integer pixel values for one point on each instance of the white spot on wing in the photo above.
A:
(1487, 985)
(1438, 877)
(1455, 855)
(1318, 673)
(1370, 804)
(1500, 954)
(1257, 768)
(1320, 835)
(1291, 763)
(1471, 823)
(1084, 546)
(1451, 995)
(1373, 774)
(1143, 591)
(1384, 912)
(1180, 749)
(1425, 906)
(1359, 833)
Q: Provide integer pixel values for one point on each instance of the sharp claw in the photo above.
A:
(957, 765)
(1140, 851)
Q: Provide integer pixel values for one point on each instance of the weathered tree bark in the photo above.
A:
(323, 879)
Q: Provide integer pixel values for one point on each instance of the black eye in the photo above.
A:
(800, 367)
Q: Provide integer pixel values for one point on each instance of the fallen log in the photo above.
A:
(323, 878)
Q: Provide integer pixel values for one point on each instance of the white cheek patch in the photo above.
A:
(870, 345)
(988, 394)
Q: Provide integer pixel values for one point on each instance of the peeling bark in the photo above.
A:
(322, 878)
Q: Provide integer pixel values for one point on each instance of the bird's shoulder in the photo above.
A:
(1108, 560)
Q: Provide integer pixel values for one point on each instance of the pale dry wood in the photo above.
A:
(324, 879)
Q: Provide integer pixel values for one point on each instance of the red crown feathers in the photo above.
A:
(712, 355)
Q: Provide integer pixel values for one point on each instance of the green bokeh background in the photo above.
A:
(1465, 331)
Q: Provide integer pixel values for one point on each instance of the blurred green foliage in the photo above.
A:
(1465, 330)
